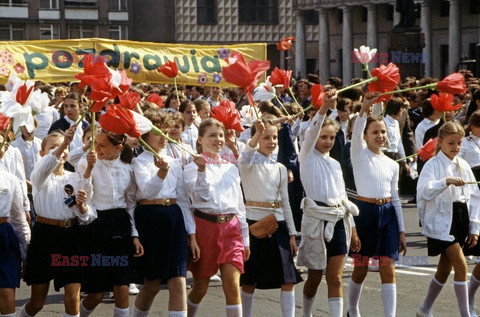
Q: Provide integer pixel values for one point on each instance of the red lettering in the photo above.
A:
(55, 258)
(65, 261)
(84, 260)
(74, 260)
(356, 259)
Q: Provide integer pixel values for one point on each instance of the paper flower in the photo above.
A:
(18, 106)
(388, 78)
(202, 79)
(129, 100)
(452, 84)
(155, 98)
(135, 68)
(318, 96)
(18, 68)
(119, 120)
(13, 81)
(365, 54)
(223, 52)
(285, 44)
(443, 102)
(4, 71)
(264, 92)
(6, 57)
(4, 122)
(226, 113)
(428, 150)
(243, 74)
(248, 116)
(40, 101)
(216, 78)
(169, 69)
(280, 77)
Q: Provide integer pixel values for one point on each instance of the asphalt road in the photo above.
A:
(413, 276)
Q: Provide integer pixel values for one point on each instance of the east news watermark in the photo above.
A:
(396, 57)
(89, 260)
(405, 260)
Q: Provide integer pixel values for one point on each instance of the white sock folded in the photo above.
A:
(336, 306)
(247, 303)
(461, 291)
(354, 292)
(307, 306)
(192, 308)
(472, 289)
(234, 310)
(83, 311)
(389, 298)
(121, 312)
(139, 313)
(23, 312)
(287, 302)
(68, 315)
(177, 313)
(433, 291)
(8, 315)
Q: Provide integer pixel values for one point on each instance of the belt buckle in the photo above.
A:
(222, 219)
(166, 202)
(273, 204)
(381, 201)
(67, 223)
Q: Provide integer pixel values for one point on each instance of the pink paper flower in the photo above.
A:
(18, 68)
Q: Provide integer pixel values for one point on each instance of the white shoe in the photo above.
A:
(132, 289)
(215, 278)
(420, 313)
(473, 312)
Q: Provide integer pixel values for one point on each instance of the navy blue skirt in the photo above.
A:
(162, 232)
(53, 254)
(10, 257)
(107, 241)
(377, 229)
(271, 261)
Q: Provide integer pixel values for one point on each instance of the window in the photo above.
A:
(13, 3)
(118, 5)
(390, 11)
(206, 12)
(443, 60)
(364, 14)
(12, 32)
(257, 12)
(118, 32)
(340, 16)
(444, 8)
(474, 7)
(311, 17)
(80, 31)
(48, 4)
(49, 31)
(81, 3)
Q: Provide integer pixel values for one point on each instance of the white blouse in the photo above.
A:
(422, 127)
(190, 135)
(12, 163)
(177, 152)
(394, 136)
(30, 152)
(435, 198)
(470, 150)
(49, 194)
(113, 186)
(150, 186)
(265, 180)
(45, 120)
(376, 176)
(217, 191)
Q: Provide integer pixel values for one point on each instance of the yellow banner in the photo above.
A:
(59, 60)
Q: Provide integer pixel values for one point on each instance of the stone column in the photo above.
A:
(282, 59)
(454, 36)
(372, 29)
(324, 45)
(347, 44)
(300, 45)
(426, 25)
(396, 15)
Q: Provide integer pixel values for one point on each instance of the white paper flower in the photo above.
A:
(143, 124)
(39, 101)
(248, 116)
(264, 92)
(13, 81)
(365, 54)
(18, 106)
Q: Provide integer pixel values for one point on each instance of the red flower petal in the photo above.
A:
(443, 102)
(285, 44)
(129, 100)
(318, 96)
(119, 120)
(453, 84)
(4, 122)
(281, 77)
(169, 69)
(388, 78)
(428, 150)
(23, 93)
(226, 113)
(155, 98)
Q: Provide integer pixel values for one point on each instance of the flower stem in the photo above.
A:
(281, 104)
(293, 96)
(367, 70)
(375, 78)
(406, 158)
(157, 131)
(84, 114)
(304, 110)
(148, 147)
(93, 132)
(469, 183)
(176, 90)
(5, 136)
(429, 86)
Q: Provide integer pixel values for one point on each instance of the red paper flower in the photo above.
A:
(226, 113)
(4, 122)
(443, 102)
(428, 150)
(129, 100)
(388, 78)
(280, 77)
(155, 98)
(285, 44)
(452, 84)
(318, 96)
(94, 69)
(169, 69)
(243, 74)
(119, 120)
(23, 93)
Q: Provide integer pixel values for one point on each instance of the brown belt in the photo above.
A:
(261, 204)
(55, 222)
(214, 218)
(161, 201)
(377, 201)
(3, 220)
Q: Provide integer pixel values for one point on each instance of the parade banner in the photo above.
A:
(54, 61)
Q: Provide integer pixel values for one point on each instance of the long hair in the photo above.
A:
(204, 125)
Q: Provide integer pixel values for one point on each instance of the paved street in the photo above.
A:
(412, 282)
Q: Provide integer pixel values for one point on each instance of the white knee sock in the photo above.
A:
(354, 292)
(389, 298)
(433, 290)
(121, 312)
(176, 313)
(192, 308)
(139, 313)
(461, 291)
(472, 289)
(336, 306)
(287, 301)
(234, 310)
(307, 306)
(23, 312)
(247, 303)
(83, 311)
(8, 315)
(68, 315)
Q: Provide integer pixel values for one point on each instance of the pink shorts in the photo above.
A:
(219, 243)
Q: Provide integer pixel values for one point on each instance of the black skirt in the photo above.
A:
(10, 258)
(53, 253)
(162, 232)
(107, 242)
(271, 261)
(459, 229)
